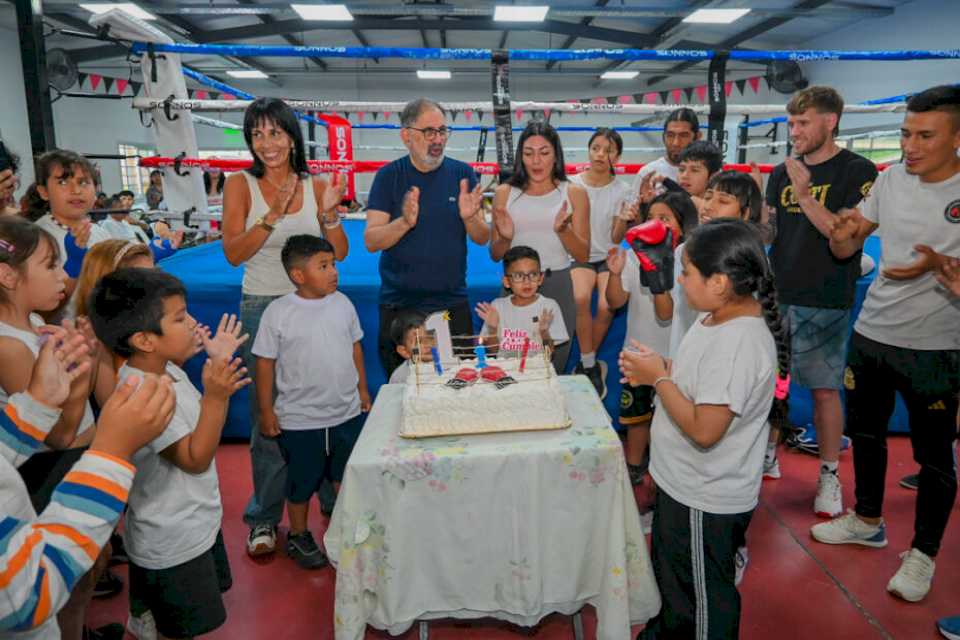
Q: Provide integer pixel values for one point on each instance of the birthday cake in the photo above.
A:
(465, 398)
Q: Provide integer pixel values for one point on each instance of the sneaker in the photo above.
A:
(262, 540)
(741, 560)
(771, 470)
(113, 631)
(911, 481)
(646, 522)
(108, 584)
(829, 500)
(596, 377)
(949, 627)
(303, 549)
(850, 529)
(912, 580)
(142, 627)
(118, 554)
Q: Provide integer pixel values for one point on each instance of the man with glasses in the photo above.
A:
(421, 209)
(680, 129)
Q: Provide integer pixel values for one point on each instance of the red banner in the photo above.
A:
(340, 143)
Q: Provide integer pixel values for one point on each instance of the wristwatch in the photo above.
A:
(263, 223)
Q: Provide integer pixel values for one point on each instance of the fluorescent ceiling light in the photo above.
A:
(433, 75)
(716, 16)
(514, 13)
(247, 73)
(619, 75)
(126, 7)
(323, 11)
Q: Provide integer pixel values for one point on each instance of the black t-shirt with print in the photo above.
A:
(807, 273)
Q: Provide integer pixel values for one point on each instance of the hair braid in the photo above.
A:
(767, 296)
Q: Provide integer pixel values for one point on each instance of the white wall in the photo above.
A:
(14, 127)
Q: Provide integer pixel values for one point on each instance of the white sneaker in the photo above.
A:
(771, 469)
(741, 560)
(912, 580)
(262, 540)
(829, 500)
(850, 529)
(143, 627)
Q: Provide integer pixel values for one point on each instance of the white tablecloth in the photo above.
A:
(511, 526)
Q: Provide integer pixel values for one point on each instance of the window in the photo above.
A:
(132, 177)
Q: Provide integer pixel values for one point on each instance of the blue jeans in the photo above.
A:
(269, 469)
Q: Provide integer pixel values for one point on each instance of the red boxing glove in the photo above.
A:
(464, 378)
(652, 241)
(497, 376)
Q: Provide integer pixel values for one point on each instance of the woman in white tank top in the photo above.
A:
(538, 208)
(262, 207)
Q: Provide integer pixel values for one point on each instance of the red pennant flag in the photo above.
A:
(650, 98)
(361, 114)
(754, 83)
(519, 114)
(95, 81)
(386, 114)
(728, 88)
(675, 96)
(701, 93)
(469, 115)
(546, 113)
(598, 100)
(227, 96)
(121, 85)
(200, 94)
(625, 100)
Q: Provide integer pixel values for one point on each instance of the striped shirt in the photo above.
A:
(42, 557)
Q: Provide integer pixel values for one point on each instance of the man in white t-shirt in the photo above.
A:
(680, 129)
(907, 337)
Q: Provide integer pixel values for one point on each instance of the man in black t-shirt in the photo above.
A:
(816, 289)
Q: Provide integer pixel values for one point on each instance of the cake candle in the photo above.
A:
(523, 353)
(436, 360)
(481, 352)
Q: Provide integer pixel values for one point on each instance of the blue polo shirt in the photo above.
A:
(427, 268)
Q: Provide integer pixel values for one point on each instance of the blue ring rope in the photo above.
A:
(481, 128)
(558, 55)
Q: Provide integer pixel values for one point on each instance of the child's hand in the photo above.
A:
(648, 187)
(227, 340)
(489, 314)
(61, 360)
(201, 333)
(616, 260)
(270, 425)
(365, 401)
(564, 218)
(949, 277)
(85, 328)
(629, 211)
(641, 365)
(176, 239)
(134, 416)
(222, 378)
(81, 233)
(543, 324)
(756, 175)
(503, 223)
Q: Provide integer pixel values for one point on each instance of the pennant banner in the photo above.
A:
(754, 83)
(689, 93)
(727, 88)
(95, 81)
(741, 85)
(121, 85)
(702, 93)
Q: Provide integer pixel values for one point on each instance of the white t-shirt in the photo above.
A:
(732, 364)
(605, 204)
(400, 374)
(683, 314)
(660, 166)
(173, 515)
(58, 231)
(533, 218)
(312, 343)
(912, 314)
(519, 323)
(122, 230)
(642, 323)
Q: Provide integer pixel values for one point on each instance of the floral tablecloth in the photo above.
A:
(511, 526)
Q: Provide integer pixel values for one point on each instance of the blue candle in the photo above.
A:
(481, 352)
(436, 360)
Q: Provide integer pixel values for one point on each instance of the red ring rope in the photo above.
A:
(371, 166)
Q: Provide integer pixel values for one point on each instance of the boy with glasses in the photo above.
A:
(525, 315)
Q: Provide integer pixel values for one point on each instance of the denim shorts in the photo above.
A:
(818, 341)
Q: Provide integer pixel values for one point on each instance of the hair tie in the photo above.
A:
(122, 254)
(782, 389)
(6, 246)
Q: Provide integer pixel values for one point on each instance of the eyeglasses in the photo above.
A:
(431, 134)
(518, 276)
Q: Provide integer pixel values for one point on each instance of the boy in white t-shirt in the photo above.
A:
(410, 337)
(308, 346)
(178, 562)
(525, 315)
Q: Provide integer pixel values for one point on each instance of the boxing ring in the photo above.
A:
(214, 285)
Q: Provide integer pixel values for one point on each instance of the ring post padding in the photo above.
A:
(500, 69)
(716, 79)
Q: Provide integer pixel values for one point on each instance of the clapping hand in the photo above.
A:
(648, 187)
(949, 275)
(227, 339)
(411, 206)
(489, 314)
(929, 260)
(333, 194)
(564, 218)
(62, 359)
(845, 225)
(544, 322)
(616, 260)
(201, 334)
(503, 223)
(136, 412)
(629, 211)
(469, 201)
(799, 176)
(223, 378)
(641, 365)
(8, 184)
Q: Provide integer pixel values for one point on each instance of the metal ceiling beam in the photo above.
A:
(288, 37)
(748, 34)
(571, 39)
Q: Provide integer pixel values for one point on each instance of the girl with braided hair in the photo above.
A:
(710, 427)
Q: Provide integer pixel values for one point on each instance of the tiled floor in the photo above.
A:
(793, 588)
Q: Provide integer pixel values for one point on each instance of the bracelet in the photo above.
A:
(661, 379)
(331, 225)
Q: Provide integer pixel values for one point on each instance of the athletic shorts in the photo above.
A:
(818, 340)
(636, 404)
(313, 455)
(599, 266)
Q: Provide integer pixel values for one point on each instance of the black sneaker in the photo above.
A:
(305, 551)
(112, 631)
(118, 553)
(595, 375)
(910, 482)
(108, 584)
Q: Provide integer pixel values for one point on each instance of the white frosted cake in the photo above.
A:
(437, 405)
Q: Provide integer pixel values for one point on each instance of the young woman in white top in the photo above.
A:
(710, 428)
(607, 197)
(275, 199)
(539, 208)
